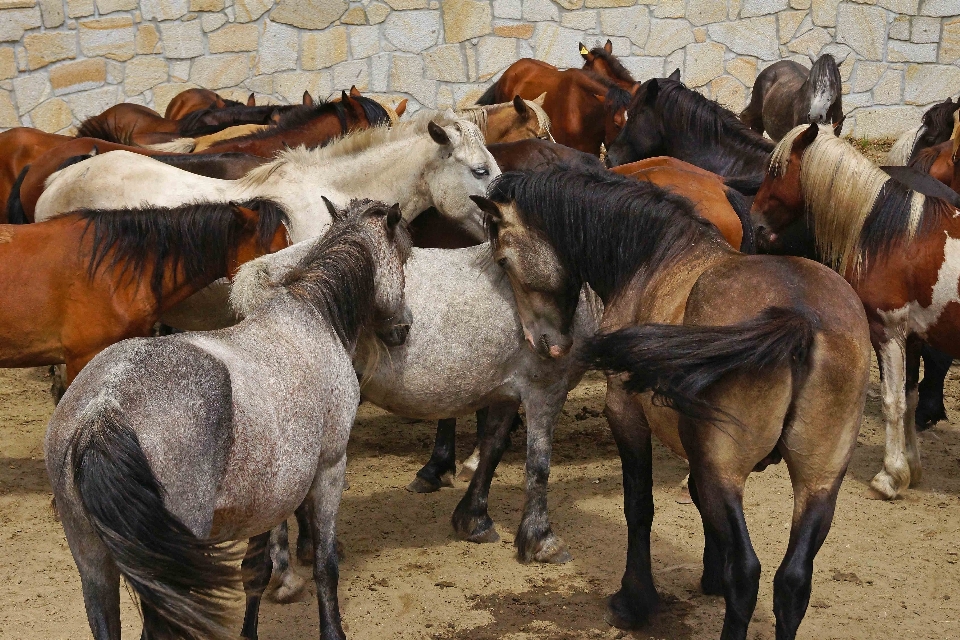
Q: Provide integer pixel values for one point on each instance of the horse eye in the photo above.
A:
(502, 262)
(480, 172)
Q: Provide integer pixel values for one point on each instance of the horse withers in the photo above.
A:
(730, 360)
(163, 448)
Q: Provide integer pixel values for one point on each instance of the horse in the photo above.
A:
(896, 247)
(732, 361)
(601, 61)
(130, 124)
(97, 277)
(517, 119)
(935, 128)
(19, 147)
(459, 297)
(418, 163)
(787, 94)
(191, 100)
(665, 118)
(163, 448)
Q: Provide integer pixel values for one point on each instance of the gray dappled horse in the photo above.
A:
(162, 448)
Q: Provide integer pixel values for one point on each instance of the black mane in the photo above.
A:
(617, 98)
(211, 120)
(616, 66)
(336, 276)
(938, 121)
(684, 110)
(97, 127)
(604, 227)
(197, 238)
(887, 225)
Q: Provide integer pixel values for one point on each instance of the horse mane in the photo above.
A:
(940, 120)
(97, 127)
(683, 109)
(197, 238)
(858, 212)
(479, 114)
(337, 274)
(604, 227)
(617, 98)
(901, 153)
(614, 63)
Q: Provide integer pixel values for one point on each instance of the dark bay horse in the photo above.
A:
(935, 127)
(786, 94)
(665, 118)
(75, 284)
(191, 100)
(898, 248)
(162, 448)
(731, 360)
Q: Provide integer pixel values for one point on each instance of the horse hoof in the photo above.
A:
(466, 474)
(885, 487)
(290, 587)
(419, 485)
(622, 615)
(484, 537)
(554, 553)
(683, 496)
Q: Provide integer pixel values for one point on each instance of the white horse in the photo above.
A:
(465, 351)
(418, 164)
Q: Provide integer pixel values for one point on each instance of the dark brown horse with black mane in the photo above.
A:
(665, 118)
(936, 127)
(731, 360)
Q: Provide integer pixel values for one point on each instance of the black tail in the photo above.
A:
(15, 212)
(182, 581)
(747, 185)
(489, 96)
(678, 363)
(742, 206)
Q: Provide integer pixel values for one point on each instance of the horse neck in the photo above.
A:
(718, 157)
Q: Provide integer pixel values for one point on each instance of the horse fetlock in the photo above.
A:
(629, 609)
(916, 469)
(288, 586)
(891, 480)
(543, 546)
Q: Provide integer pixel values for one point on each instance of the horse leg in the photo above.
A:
(255, 570)
(283, 578)
(930, 409)
(323, 502)
(304, 543)
(637, 598)
(469, 466)
(535, 538)
(913, 348)
(711, 582)
(439, 470)
(752, 116)
(470, 519)
(895, 474)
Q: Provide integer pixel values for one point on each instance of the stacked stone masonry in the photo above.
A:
(64, 60)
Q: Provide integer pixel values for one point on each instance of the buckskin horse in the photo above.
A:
(731, 360)
(898, 248)
(151, 471)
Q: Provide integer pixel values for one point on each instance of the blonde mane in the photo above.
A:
(899, 154)
(839, 188)
(956, 133)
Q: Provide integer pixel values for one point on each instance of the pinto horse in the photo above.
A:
(98, 277)
(162, 448)
(665, 118)
(786, 94)
(898, 248)
(731, 360)
(191, 100)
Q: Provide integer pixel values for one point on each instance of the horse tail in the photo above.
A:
(181, 580)
(680, 362)
(489, 96)
(747, 185)
(741, 206)
(15, 212)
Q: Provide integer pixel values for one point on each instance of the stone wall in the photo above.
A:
(64, 60)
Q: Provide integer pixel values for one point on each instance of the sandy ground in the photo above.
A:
(887, 568)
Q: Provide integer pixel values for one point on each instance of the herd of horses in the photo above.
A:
(308, 257)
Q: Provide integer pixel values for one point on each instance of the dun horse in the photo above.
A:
(731, 360)
(898, 248)
(151, 470)
(786, 94)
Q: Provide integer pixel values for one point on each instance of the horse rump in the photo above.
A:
(679, 362)
(182, 581)
(15, 212)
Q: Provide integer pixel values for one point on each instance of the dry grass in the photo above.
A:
(875, 150)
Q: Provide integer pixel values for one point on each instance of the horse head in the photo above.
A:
(641, 135)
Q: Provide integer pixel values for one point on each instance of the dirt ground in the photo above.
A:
(887, 568)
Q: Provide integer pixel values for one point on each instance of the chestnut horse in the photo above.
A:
(19, 147)
(731, 360)
(77, 283)
(898, 248)
(192, 100)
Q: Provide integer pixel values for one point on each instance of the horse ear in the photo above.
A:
(521, 106)
(806, 138)
(838, 126)
(584, 51)
(541, 98)
(438, 134)
(343, 96)
(401, 107)
(653, 89)
(354, 91)
(489, 207)
(675, 75)
(252, 100)
(331, 208)
(307, 99)
(246, 216)
(608, 47)
(635, 88)
(599, 97)
(394, 215)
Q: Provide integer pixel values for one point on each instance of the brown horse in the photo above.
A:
(75, 284)
(192, 100)
(937, 161)
(601, 61)
(19, 147)
(731, 360)
(899, 249)
(130, 124)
